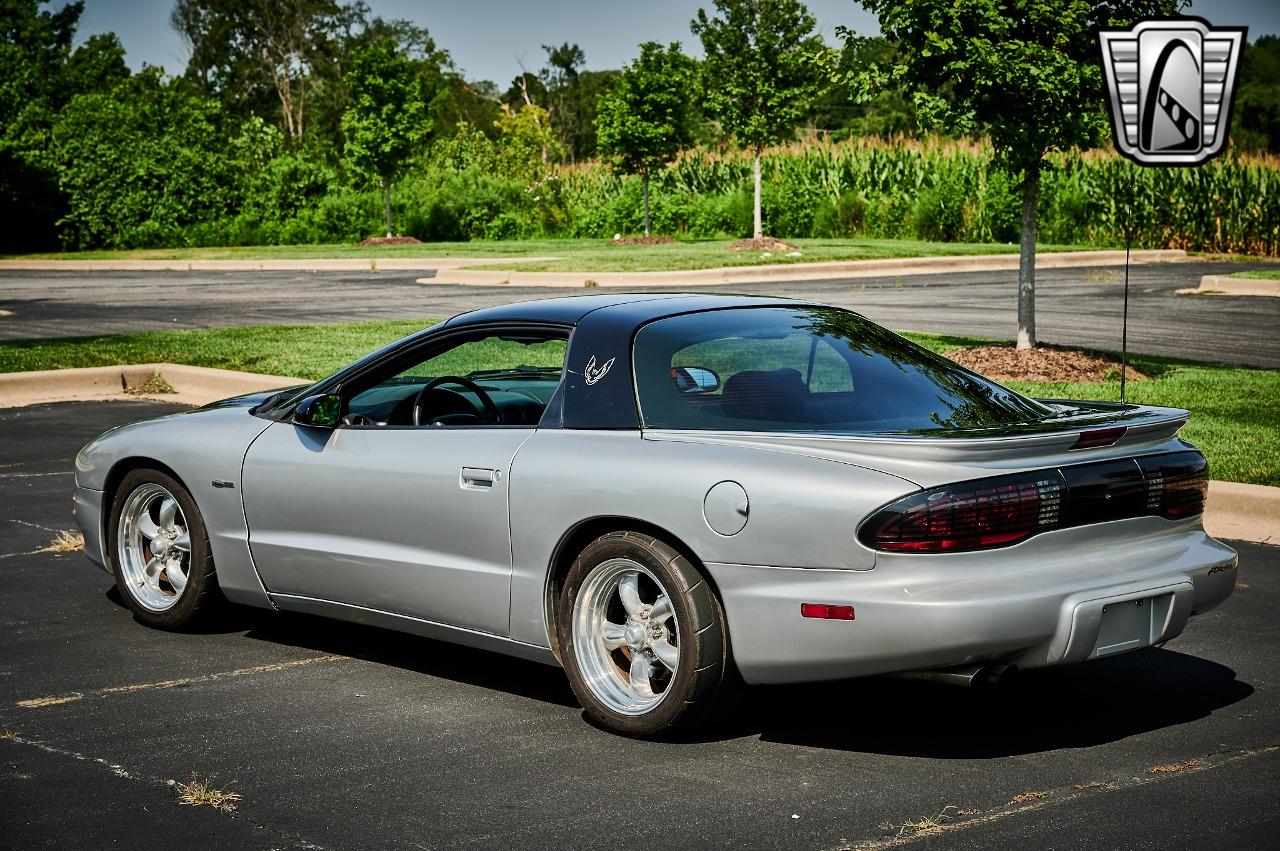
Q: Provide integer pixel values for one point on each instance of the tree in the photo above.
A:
(643, 122)
(39, 74)
(387, 118)
(1255, 121)
(239, 48)
(1024, 72)
(140, 163)
(757, 75)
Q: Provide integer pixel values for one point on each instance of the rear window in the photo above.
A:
(808, 369)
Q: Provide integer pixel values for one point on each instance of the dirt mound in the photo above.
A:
(1045, 363)
(388, 240)
(765, 243)
(641, 240)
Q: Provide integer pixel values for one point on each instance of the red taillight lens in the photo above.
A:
(1177, 485)
(968, 516)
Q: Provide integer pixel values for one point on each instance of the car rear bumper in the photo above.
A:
(1059, 598)
(86, 504)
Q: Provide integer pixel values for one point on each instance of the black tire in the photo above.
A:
(704, 668)
(200, 598)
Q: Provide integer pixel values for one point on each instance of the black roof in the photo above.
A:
(639, 307)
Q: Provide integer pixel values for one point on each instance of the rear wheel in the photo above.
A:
(642, 635)
(159, 551)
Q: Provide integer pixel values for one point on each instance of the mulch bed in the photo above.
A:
(765, 243)
(1044, 364)
(388, 240)
(641, 240)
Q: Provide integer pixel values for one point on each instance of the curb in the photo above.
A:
(1224, 285)
(334, 264)
(194, 385)
(1243, 512)
(795, 271)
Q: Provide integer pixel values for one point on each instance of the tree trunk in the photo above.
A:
(1027, 260)
(646, 204)
(758, 221)
(386, 194)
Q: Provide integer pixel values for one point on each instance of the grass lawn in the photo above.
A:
(1235, 411)
(1272, 274)
(580, 255)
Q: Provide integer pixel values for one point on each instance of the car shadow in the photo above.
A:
(427, 656)
(1043, 710)
(1040, 710)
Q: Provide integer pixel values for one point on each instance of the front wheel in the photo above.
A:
(642, 635)
(160, 551)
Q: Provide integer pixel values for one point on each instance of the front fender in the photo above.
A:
(198, 448)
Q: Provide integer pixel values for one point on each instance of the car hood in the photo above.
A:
(248, 400)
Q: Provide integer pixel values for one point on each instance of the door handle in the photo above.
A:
(479, 478)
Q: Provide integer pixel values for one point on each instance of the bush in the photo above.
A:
(844, 217)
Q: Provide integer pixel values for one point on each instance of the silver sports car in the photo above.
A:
(666, 494)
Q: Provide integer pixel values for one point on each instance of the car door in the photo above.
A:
(403, 519)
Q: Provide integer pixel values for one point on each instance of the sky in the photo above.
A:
(489, 39)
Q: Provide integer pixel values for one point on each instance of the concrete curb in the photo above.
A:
(334, 264)
(1225, 285)
(794, 271)
(1243, 512)
(194, 385)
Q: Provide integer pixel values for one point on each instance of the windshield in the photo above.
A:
(808, 369)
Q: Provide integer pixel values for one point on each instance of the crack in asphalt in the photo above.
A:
(150, 779)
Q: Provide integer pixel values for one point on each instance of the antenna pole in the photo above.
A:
(1124, 320)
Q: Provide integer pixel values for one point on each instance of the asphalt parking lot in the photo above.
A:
(339, 736)
(1079, 307)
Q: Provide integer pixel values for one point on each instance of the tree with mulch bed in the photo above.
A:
(1025, 74)
(758, 77)
(642, 124)
(1042, 364)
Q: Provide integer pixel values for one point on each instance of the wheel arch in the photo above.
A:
(575, 540)
(121, 468)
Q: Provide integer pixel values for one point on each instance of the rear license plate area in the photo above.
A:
(1127, 625)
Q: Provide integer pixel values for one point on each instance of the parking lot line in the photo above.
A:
(1155, 774)
(58, 700)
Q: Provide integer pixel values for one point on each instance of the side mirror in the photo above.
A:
(322, 411)
(695, 379)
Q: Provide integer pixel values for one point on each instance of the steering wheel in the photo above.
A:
(490, 415)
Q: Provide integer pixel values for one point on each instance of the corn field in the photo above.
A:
(939, 190)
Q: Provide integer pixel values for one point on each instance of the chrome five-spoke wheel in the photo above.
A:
(641, 635)
(626, 636)
(153, 543)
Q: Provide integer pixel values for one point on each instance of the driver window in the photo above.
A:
(503, 379)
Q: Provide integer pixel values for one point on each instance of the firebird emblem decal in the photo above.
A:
(592, 373)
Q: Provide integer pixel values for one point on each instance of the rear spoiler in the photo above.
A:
(1117, 428)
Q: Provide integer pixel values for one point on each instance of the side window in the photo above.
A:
(503, 379)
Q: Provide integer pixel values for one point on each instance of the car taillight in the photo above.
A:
(968, 516)
(1005, 510)
(1177, 485)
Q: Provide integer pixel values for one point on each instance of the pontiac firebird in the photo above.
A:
(668, 494)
